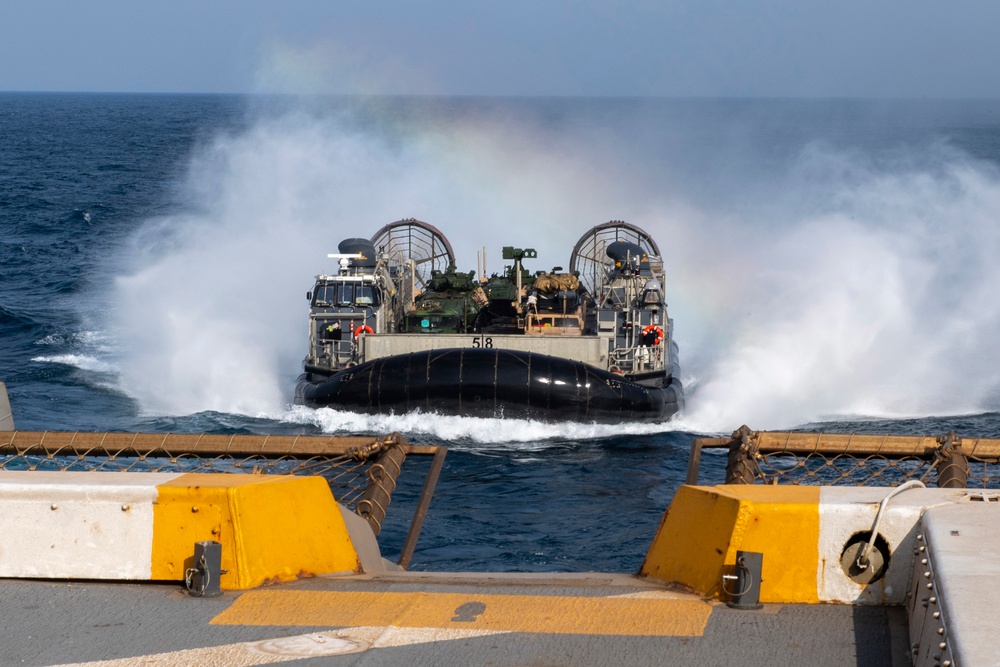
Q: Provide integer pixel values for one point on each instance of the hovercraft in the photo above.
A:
(397, 329)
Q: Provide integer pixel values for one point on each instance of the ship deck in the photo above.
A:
(411, 618)
(116, 569)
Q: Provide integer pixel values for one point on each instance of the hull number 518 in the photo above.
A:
(482, 341)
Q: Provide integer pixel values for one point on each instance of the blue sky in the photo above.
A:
(805, 48)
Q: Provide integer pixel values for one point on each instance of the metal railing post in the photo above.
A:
(952, 464)
(741, 466)
(410, 545)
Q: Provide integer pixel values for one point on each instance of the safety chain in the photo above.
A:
(206, 578)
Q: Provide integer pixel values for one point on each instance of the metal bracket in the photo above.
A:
(202, 580)
(746, 579)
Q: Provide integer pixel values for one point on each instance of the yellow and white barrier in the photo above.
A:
(802, 532)
(143, 526)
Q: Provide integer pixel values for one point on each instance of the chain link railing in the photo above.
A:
(763, 457)
(361, 470)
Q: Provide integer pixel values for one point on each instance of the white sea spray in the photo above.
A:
(827, 281)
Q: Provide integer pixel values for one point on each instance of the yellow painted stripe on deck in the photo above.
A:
(272, 528)
(667, 616)
(705, 527)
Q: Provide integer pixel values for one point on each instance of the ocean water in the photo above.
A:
(831, 265)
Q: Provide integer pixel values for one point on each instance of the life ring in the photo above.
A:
(652, 328)
(364, 328)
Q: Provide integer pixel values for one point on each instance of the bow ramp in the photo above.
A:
(186, 564)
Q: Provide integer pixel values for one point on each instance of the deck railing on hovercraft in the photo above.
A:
(361, 470)
(763, 457)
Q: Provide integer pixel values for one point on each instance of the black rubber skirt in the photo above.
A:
(491, 382)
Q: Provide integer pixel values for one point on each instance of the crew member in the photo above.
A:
(332, 331)
(533, 302)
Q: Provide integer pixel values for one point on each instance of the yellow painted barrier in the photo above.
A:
(271, 528)
(143, 526)
(700, 534)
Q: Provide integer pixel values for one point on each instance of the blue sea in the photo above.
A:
(831, 264)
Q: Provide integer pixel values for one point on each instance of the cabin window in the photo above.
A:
(345, 294)
(323, 295)
(365, 295)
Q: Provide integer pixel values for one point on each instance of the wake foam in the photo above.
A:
(519, 434)
(83, 362)
(88, 350)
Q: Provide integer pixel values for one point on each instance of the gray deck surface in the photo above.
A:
(52, 623)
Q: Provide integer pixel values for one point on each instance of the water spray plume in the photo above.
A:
(876, 308)
(829, 284)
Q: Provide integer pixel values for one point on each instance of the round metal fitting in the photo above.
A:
(316, 644)
(878, 558)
